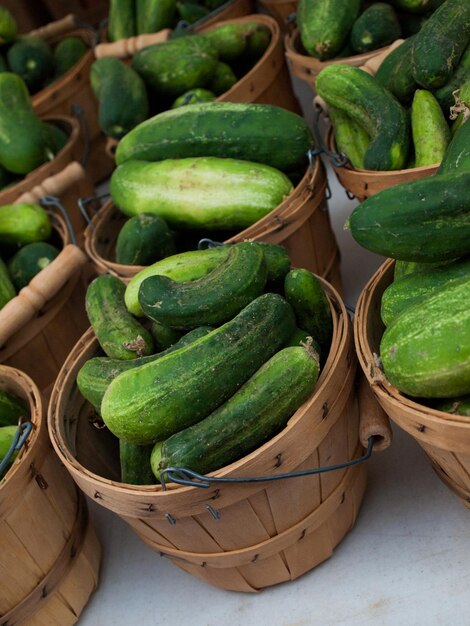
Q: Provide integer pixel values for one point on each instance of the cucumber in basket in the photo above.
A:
(144, 239)
(11, 408)
(23, 223)
(7, 288)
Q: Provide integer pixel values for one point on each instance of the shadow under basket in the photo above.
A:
(243, 536)
(50, 555)
(301, 224)
(443, 436)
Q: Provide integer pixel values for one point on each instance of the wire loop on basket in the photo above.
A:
(53, 201)
(82, 205)
(188, 478)
(22, 433)
(338, 159)
(77, 111)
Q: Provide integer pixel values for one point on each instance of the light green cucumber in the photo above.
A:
(350, 138)
(431, 133)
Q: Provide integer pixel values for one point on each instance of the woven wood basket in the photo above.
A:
(50, 554)
(39, 327)
(281, 10)
(240, 537)
(301, 224)
(444, 437)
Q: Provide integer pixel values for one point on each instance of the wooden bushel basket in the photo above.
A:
(444, 437)
(241, 537)
(50, 555)
(300, 223)
(39, 327)
(281, 10)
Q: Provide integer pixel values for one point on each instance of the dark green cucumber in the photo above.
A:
(165, 336)
(96, 374)
(457, 156)
(375, 27)
(56, 139)
(158, 399)
(350, 138)
(423, 220)
(31, 58)
(217, 193)
(23, 223)
(224, 129)
(68, 53)
(455, 406)
(426, 351)
(29, 261)
(122, 96)
(11, 409)
(193, 96)
(444, 94)
(414, 288)
(440, 44)
(222, 79)
(405, 268)
(8, 26)
(254, 414)
(384, 119)
(230, 40)
(7, 288)
(325, 25)
(431, 133)
(395, 72)
(154, 15)
(135, 464)
(119, 334)
(417, 6)
(305, 294)
(144, 239)
(171, 68)
(191, 12)
(122, 20)
(211, 300)
(460, 111)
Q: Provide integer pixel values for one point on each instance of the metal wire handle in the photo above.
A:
(184, 25)
(82, 205)
(206, 244)
(48, 201)
(185, 476)
(22, 433)
(339, 159)
(77, 111)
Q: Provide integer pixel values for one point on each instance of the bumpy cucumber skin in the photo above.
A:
(414, 288)
(154, 15)
(423, 220)
(193, 96)
(122, 19)
(7, 288)
(229, 40)
(360, 96)
(135, 464)
(203, 192)
(225, 129)
(29, 261)
(395, 72)
(254, 414)
(11, 409)
(431, 134)
(350, 138)
(23, 223)
(144, 239)
(440, 44)
(95, 376)
(154, 401)
(325, 25)
(375, 27)
(444, 94)
(211, 300)
(426, 351)
(119, 334)
(457, 156)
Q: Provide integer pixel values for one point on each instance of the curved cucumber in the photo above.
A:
(431, 134)
(351, 139)
(158, 399)
(254, 414)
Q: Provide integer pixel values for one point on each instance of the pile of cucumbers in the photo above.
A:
(37, 62)
(402, 117)
(24, 233)
(335, 29)
(181, 71)
(11, 409)
(208, 354)
(425, 226)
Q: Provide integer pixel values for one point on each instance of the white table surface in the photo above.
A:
(406, 562)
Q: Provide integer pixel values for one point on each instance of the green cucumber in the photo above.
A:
(350, 138)
(217, 193)
(305, 294)
(360, 96)
(154, 15)
(56, 138)
(121, 94)
(23, 223)
(230, 40)
(135, 464)
(325, 25)
(68, 53)
(7, 435)
(171, 68)
(154, 401)
(440, 43)
(29, 261)
(414, 288)
(222, 129)
(165, 336)
(425, 352)
(8, 26)
(375, 27)
(455, 406)
(404, 268)
(254, 414)
(31, 58)
(211, 300)
(11, 409)
(431, 133)
(457, 156)
(444, 94)
(193, 96)
(222, 79)
(119, 334)
(96, 374)
(422, 220)
(395, 72)
(461, 109)
(191, 12)
(7, 288)
(144, 239)
(417, 6)
(122, 19)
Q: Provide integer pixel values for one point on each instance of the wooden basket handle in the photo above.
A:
(372, 65)
(44, 286)
(54, 185)
(55, 28)
(124, 48)
(374, 421)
